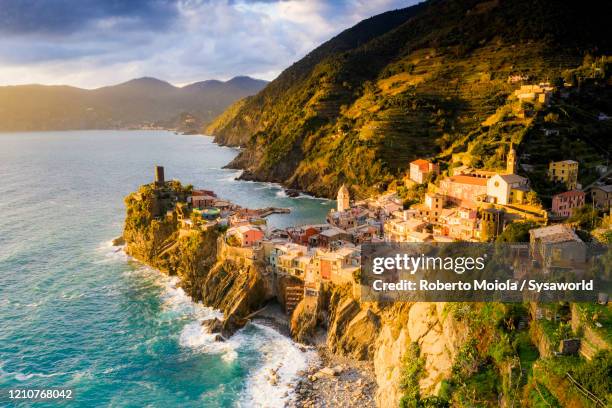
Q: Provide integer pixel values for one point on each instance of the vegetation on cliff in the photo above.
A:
(153, 235)
(424, 81)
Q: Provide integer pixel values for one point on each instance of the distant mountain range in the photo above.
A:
(137, 103)
(421, 82)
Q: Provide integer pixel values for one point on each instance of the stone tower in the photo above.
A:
(159, 176)
(511, 162)
(491, 223)
(343, 199)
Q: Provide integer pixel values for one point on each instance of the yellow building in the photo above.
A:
(565, 172)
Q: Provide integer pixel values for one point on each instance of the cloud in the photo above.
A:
(92, 43)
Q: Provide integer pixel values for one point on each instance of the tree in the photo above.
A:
(586, 217)
(517, 232)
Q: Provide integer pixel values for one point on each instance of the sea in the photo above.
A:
(77, 313)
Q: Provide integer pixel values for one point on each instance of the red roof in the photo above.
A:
(476, 181)
(423, 164)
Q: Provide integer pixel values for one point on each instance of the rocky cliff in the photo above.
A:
(449, 354)
(384, 334)
(153, 236)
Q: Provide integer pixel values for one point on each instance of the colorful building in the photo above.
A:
(564, 204)
(247, 235)
(421, 169)
(464, 190)
(565, 171)
(507, 189)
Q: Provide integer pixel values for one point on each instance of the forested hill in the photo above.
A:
(416, 82)
(139, 102)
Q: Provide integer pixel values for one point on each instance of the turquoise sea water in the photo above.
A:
(76, 314)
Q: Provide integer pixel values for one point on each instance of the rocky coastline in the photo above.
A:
(152, 235)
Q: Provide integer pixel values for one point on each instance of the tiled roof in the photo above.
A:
(476, 181)
(423, 164)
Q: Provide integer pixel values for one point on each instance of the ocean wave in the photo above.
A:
(282, 359)
(196, 337)
(110, 253)
(278, 355)
(19, 376)
(232, 175)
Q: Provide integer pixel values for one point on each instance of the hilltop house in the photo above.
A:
(535, 93)
(556, 246)
(565, 171)
(327, 237)
(247, 235)
(274, 250)
(459, 223)
(564, 204)
(421, 169)
(399, 230)
(602, 196)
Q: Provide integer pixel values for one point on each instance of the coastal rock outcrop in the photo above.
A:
(155, 238)
(383, 335)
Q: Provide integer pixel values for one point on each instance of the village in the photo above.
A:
(468, 205)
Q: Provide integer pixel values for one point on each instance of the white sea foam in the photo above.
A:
(278, 353)
(22, 376)
(281, 358)
(232, 175)
(110, 253)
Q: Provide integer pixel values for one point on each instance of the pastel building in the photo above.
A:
(337, 266)
(464, 190)
(247, 235)
(564, 204)
(432, 207)
(507, 189)
(565, 171)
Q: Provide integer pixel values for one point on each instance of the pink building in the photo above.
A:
(564, 204)
(464, 190)
(247, 234)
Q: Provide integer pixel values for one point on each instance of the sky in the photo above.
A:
(93, 43)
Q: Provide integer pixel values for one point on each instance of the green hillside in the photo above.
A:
(424, 81)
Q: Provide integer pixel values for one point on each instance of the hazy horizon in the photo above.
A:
(90, 44)
(182, 85)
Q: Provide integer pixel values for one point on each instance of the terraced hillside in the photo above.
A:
(417, 82)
